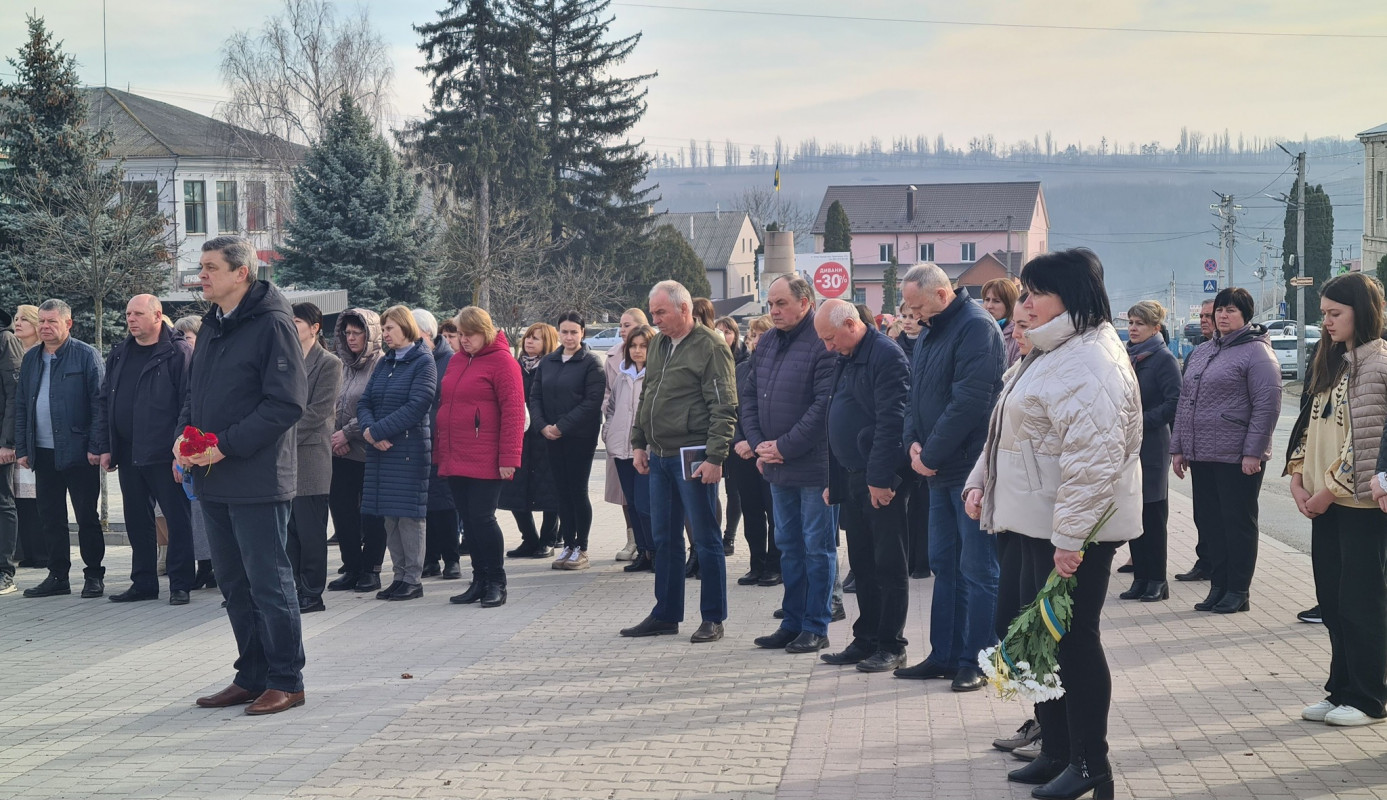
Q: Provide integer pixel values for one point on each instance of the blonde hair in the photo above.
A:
(1148, 311)
(28, 313)
(548, 336)
(638, 315)
(403, 317)
(760, 324)
(472, 320)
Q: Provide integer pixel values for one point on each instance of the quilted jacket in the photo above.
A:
(786, 398)
(569, 393)
(481, 421)
(1367, 414)
(1064, 441)
(356, 371)
(1230, 400)
(623, 397)
(395, 407)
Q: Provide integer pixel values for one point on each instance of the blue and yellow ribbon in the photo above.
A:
(1052, 622)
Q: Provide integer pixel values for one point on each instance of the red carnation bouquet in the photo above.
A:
(196, 442)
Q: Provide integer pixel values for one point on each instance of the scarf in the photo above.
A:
(1140, 352)
(529, 362)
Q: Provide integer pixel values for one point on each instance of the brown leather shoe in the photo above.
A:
(232, 695)
(274, 701)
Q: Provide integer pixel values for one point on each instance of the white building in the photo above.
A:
(1374, 196)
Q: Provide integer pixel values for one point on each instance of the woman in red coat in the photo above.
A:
(481, 425)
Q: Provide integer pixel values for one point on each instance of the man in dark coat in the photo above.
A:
(868, 481)
(11, 354)
(248, 386)
(955, 379)
(59, 399)
(142, 396)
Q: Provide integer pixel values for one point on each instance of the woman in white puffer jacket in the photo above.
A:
(1063, 444)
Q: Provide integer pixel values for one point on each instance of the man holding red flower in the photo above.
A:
(247, 388)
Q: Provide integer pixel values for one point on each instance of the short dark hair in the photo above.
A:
(1076, 277)
(1240, 299)
(571, 316)
(237, 250)
(865, 314)
(308, 313)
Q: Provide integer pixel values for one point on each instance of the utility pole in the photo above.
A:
(1300, 266)
(1227, 213)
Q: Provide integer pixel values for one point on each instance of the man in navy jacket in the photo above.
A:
(956, 375)
(868, 481)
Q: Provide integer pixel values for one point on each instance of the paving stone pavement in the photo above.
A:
(541, 699)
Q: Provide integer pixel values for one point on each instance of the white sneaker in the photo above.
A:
(558, 562)
(1350, 717)
(1317, 712)
(577, 560)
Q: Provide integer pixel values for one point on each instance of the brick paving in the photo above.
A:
(541, 699)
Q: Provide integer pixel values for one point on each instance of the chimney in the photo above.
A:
(717, 211)
(910, 203)
(691, 235)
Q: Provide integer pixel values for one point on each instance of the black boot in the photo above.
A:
(691, 566)
(1042, 770)
(1077, 781)
(205, 577)
(1231, 603)
(729, 543)
(641, 563)
(345, 583)
(1139, 588)
(473, 593)
(495, 595)
(1216, 593)
(1156, 591)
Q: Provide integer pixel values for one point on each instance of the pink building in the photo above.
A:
(974, 231)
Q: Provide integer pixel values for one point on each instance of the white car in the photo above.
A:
(603, 340)
(1285, 348)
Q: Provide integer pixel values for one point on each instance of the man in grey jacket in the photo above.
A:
(11, 353)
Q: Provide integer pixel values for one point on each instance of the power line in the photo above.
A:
(1015, 25)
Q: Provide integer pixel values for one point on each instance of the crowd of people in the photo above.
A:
(980, 441)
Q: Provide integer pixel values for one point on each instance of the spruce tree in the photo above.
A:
(890, 285)
(666, 256)
(837, 230)
(354, 224)
(1319, 247)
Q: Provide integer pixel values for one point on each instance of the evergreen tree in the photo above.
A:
(837, 230)
(1319, 246)
(1382, 270)
(667, 256)
(890, 286)
(355, 223)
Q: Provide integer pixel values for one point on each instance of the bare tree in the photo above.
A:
(506, 256)
(287, 80)
(592, 288)
(765, 205)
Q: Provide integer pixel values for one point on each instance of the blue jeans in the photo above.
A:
(964, 560)
(635, 487)
(257, 580)
(804, 532)
(671, 498)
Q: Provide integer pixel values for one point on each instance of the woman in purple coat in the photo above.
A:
(1228, 408)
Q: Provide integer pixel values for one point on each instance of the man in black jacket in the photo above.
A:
(867, 481)
(11, 353)
(247, 386)
(142, 395)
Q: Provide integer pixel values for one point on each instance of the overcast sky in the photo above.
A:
(748, 77)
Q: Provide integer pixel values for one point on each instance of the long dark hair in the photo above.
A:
(1076, 276)
(1363, 294)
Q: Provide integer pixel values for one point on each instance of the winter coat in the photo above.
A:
(356, 371)
(74, 398)
(159, 390)
(481, 422)
(395, 407)
(907, 345)
(1367, 415)
(689, 398)
(569, 393)
(867, 411)
(440, 495)
(1230, 400)
(1013, 347)
(313, 434)
(247, 385)
(11, 355)
(532, 488)
(620, 411)
(1064, 441)
(955, 376)
(786, 401)
(1158, 376)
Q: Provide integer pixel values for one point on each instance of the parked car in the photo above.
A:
(1284, 345)
(604, 339)
(1192, 334)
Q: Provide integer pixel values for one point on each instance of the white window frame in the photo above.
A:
(885, 252)
(927, 252)
(968, 252)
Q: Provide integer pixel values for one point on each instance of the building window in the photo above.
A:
(144, 194)
(228, 218)
(195, 206)
(284, 206)
(927, 252)
(968, 252)
(887, 252)
(859, 295)
(255, 206)
(1380, 201)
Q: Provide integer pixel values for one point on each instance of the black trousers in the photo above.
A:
(32, 549)
(82, 484)
(140, 487)
(548, 532)
(570, 458)
(734, 506)
(917, 525)
(476, 501)
(1225, 511)
(1348, 551)
(1009, 548)
(360, 537)
(758, 517)
(876, 555)
(307, 543)
(9, 522)
(441, 534)
(1076, 725)
(1149, 549)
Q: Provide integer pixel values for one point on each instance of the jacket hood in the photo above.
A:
(500, 343)
(441, 348)
(1247, 333)
(6, 321)
(365, 318)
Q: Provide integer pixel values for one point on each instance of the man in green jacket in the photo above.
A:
(681, 436)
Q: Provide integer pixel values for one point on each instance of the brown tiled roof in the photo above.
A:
(938, 207)
(145, 128)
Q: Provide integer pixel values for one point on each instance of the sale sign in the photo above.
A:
(831, 280)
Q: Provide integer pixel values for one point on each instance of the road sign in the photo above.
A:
(1306, 281)
(1211, 266)
(1281, 310)
(1211, 287)
(831, 279)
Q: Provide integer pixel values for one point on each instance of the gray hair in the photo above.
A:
(428, 324)
(237, 250)
(189, 324)
(927, 276)
(675, 291)
(799, 287)
(53, 304)
(839, 312)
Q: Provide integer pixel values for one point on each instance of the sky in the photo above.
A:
(1015, 70)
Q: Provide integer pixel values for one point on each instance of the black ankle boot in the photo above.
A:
(1156, 591)
(205, 577)
(1215, 595)
(1042, 770)
(1139, 588)
(1077, 781)
(472, 595)
(1231, 603)
(691, 566)
(495, 596)
(641, 563)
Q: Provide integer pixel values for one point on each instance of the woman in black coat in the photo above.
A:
(566, 407)
(1158, 377)
(532, 489)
